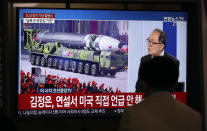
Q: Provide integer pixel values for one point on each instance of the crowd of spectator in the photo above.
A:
(28, 86)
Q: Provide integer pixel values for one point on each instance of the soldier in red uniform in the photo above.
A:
(23, 88)
(41, 86)
(101, 88)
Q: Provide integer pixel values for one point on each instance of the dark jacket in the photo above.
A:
(160, 112)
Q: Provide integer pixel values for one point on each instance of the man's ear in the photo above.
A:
(162, 46)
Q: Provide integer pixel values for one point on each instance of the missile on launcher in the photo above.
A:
(79, 41)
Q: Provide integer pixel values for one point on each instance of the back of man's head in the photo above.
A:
(160, 73)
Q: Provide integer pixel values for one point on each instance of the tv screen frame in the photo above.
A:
(97, 10)
(195, 66)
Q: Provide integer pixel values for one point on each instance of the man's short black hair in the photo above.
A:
(162, 37)
(160, 72)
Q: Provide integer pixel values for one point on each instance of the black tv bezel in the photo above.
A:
(191, 95)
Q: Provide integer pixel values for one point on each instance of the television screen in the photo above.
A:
(85, 62)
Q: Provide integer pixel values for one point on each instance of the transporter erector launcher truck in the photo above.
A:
(89, 54)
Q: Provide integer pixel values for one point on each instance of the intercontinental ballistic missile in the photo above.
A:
(79, 41)
(68, 40)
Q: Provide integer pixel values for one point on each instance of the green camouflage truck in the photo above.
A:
(89, 54)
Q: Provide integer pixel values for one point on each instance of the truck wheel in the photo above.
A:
(49, 62)
(43, 61)
(94, 69)
(80, 67)
(33, 60)
(37, 60)
(112, 73)
(87, 68)
(74, 66)
(66, 65)
(60, 64)
(102, 72)
(55, 61)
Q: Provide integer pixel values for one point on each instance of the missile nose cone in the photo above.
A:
(108, 43)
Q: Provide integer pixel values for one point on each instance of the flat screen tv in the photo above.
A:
(75, 63)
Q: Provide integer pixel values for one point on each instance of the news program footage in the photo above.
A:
(75, 63)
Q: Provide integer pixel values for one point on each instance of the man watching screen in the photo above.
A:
(156, 44)
(160, 111)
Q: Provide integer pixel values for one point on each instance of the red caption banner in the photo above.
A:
(39, 18)
(38, 15)
(83, 101)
